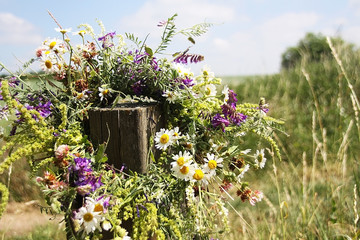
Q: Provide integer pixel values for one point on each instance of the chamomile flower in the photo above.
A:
(200, 176)
(207, 74)
(182, 70)
(103, 93)
(208, 90)
(260, 158)
(88, 218)
(211, 163)
(164, 139)
(81, 96)
(54, 45)
(48, 63)
(100, 205)
(185, 171)
(63, 30)
(181, 159)
(176, 133)
(171, 96)
(225, 92)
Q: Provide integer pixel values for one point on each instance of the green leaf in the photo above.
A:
(149, 51)
(100, 155)
(191, 40)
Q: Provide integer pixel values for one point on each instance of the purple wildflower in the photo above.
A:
(106, 39)
(186, 58)
(138, 87)
(232, 98)
(81, 174)
(238, 118)
(218, 120)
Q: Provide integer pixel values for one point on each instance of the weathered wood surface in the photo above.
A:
(127, 130)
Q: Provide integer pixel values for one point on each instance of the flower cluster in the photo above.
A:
(199, 156)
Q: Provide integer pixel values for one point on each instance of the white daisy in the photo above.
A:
(211, 163)
(63, 30)
(181, 159)
(171, 96)
(176, 133)
(260, 158)
(88, 218)
(82, 95)
(48, 63)
(207, 73)
(54, 45)
(103, 93)
(185, 171)
(225, 91)
(164, 139)
(182, 70)
(200, 175)
(208, 90)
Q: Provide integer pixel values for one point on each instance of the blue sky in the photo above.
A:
(248, 38)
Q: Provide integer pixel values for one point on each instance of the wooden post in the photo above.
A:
(127, 129)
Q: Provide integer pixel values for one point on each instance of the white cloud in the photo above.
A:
(259, 50)
(15, 30)
(189, 13)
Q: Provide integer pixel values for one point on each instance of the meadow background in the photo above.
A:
(313, 193)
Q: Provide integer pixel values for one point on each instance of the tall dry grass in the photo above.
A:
(314, 192)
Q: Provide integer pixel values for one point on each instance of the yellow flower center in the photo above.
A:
(198, 174)
(184, 170)
(80, 96)
(105, 92)
(175, 134)
(180, 161)
(98, 208)
(47, 52)
(48, 64)
(164, 138)
(88, 217)
(212, 164)
(52, 45)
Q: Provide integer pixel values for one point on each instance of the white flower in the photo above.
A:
(171, 96)
(182, 70)
(82, 95)
(181, 166)
(103, 92)
(181, 159)
(48, 63)
(88, 218)
(164, 139)
(185, 172)
(208, 90)
(225, 91)
(54, 45)
(200, 175)
(260, 158)
(246, 151)
(106, 225)
(243, 171)
(211, 163)
(176, 133)
(63, 30)
(206, 72)
(81, 33)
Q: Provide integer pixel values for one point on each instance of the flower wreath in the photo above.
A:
(203, 152)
